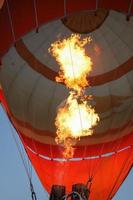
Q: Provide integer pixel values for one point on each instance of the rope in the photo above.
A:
(19, 150)
(33, 194)
(11, 22)
(21, 153)
(89, 183)
(97, 4)
(80, 118)
(129, 10)
(36, 15)
(65, 12)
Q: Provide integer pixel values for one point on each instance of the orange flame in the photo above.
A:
(74, 64)
(75, 118)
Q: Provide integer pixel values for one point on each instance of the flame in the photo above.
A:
(75, 118)
(74, 64)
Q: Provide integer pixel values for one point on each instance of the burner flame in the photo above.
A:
(75, 118)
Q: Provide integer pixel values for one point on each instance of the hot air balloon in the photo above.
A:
(31, 96)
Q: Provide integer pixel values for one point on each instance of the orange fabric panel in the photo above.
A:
(108, 172)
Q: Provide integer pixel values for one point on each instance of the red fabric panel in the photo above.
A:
(23, 16)
(119, 5)
(78, 5)
(55, 151)
(108, 173)
(49, 10)
(6, 38)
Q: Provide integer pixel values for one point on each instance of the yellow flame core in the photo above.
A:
(75, 118)
(74, 64)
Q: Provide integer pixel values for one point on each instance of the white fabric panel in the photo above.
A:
(117, 120)
(20, 93)
(39, 43)
(12, 65)
(60, 94)
(119, 87)
(27, 92)
(122, 27)
(40, 103)
(12, 57)
(130, 80)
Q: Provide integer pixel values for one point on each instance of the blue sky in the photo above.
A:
(14, 183)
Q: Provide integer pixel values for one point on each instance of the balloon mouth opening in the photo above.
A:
(78, 22)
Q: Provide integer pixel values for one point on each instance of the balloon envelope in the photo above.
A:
(31, 95)
(1, 3)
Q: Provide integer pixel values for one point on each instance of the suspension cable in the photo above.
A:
(21, 153)
(36, 15)
(80, 118)
(11, 21)
(129, 10)
(65, 8)
(97, 4)
(33, 194)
